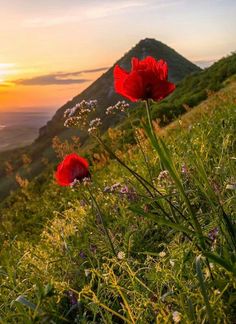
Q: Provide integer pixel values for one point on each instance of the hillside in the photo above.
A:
(190, 91)
(102, 90)
(57, 265)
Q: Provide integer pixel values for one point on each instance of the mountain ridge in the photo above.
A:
(102, 88)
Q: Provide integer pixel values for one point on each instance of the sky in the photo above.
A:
(53, 49)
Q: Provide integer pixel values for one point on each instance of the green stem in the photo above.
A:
(163, 155)
(102, 222)
(143, 181)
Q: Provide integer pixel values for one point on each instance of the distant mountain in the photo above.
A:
(102, 89)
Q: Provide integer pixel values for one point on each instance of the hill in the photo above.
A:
(57, 264)
(190, 91)
(102, 90)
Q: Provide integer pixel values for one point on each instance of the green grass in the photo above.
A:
(56, 262)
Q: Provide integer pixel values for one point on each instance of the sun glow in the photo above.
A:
(6, 69)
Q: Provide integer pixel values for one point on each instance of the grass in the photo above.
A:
(56, 262)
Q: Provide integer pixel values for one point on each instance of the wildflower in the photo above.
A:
(162, 254)
(81, 108)
(124, 190)
(72, 168)
(184, 169)
(121, 255)
(128, 192)
(93, 125)
(163, 175)
(107, 189)
(78, 115)
(172, 263)
(72, 297)
(176, 317)
(82, 255)
(86, 272)
(115, 186)
(119, 106)
(86, 181)
(147, 80)
(213, 234)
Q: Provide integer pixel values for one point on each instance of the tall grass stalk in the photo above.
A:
(166, 159)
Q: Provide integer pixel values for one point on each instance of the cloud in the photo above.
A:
(90, 11)
(59, 78)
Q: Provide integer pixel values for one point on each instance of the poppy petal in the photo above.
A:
(133, 86)
(119, 76)
(162, 89)
(147, 80)
(72, 167)
(161, 69)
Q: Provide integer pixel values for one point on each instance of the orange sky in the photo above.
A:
(17, 97)
(48, 46)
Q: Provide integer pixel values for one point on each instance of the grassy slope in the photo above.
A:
(67, 237)
(190, 91)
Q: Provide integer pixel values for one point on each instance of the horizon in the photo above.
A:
(47, 55)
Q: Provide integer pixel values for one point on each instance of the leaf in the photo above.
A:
(203, 288)
(162, 221)
(220, 261)
(22, 300)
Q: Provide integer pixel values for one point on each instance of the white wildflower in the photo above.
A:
(87, 272)
(176, 316)
(163, 175)
(77, 116)
(172, 263)
(162, 254)
(121, 255)
(119, 106)
(94, 125)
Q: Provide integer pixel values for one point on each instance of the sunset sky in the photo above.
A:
(52, 49)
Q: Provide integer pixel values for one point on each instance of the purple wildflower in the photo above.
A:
(72, 297)
(184, 169)
(115, 186)
(82, 255)
(213, 234)
(129, 193)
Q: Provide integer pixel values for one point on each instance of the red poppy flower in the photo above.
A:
(72, 168)
(147, 80)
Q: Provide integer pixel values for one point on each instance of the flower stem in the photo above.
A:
(102, 221)
(141, 180)
(165, 158)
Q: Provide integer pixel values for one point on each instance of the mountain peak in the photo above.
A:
(147, 41)
(102, 89)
